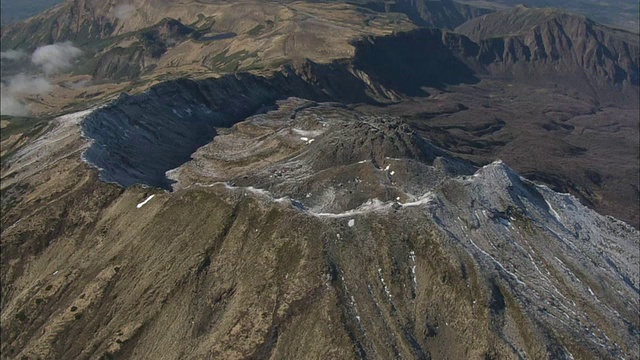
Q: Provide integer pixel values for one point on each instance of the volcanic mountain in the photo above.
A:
(392, 191)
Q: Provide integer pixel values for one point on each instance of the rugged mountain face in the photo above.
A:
(84, 21)
(223, 37)
(342, 203)
(388, 69)
(621, 14)
(75, 20)
(546, 40)
(342, 235)
(130, 62)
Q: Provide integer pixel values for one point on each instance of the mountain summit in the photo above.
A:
(302, 179)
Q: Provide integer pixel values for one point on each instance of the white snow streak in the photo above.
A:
(497, 262)
(145, 202)
(553, 211)
(384, 284)
(425, 199)
(367, 207)
(412, 257)
(308, 133)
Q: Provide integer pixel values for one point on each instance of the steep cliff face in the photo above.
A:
(545, 41)
(569, 51)
(136, 139)
(80, 21)
(421, 58)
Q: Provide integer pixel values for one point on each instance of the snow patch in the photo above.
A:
(553, 211)
(497, 262)
(176, 113)
(412, 258)
(384, 284)
(308, 133)
(351, 223)
(369, 206)
(504, 222)
(423, 200)
(77, 117)
(145, 202)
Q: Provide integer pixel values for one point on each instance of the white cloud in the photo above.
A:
(56, 58)
(123, 12)
(29, 85)
(76, 84)
(51, 59)
(13, 55)
(9, 105)
(16, 88)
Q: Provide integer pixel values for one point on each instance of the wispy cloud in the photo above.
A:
(13, 55)
(124, 11)
(9, 105)
(56, 58)
(19, 86)
(29, 85)
(76, 84)
(51, 59)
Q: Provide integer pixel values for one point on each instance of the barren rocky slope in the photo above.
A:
(343, 204)
(341, 235)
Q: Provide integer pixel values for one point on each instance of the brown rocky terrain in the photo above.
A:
(235, 271)
(306, 195)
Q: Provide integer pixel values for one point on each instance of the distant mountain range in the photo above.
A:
(622, 14)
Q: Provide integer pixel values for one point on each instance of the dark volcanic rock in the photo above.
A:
(136, 139)
(408, 61)
(440, 14)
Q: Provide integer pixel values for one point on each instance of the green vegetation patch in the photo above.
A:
(228, 63)
(21, 125)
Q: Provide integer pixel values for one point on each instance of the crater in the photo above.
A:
(138, 138)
